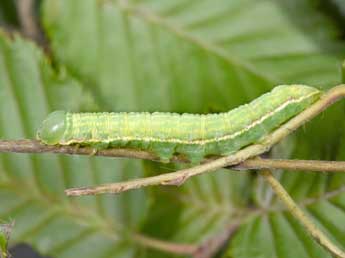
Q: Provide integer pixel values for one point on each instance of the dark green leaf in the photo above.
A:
(185, 56)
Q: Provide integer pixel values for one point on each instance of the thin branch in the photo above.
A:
(179, 177)
(298, 213)
(27, 18)
(211, 246)
(34, 146)
(206, 249)
(291, 164)
(175, 248)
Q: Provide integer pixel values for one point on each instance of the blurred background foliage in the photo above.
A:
(177, 56)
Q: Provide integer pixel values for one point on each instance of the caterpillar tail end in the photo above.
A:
(52, 128)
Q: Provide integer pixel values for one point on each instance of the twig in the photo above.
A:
(33, 146)
(175, 248)
(179, 177)
(27, 18)
(211, 246)
(292, 164)
(206, 249)
(300, 215)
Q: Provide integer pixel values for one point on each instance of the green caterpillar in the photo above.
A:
(193, 135)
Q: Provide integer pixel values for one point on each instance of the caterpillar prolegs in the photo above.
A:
(193, 135)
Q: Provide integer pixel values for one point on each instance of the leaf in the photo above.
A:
(273, 232)
(223, 50)
(182, 56)
(202, 207)
(31, 186)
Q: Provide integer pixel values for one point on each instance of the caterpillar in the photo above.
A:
(193, 135)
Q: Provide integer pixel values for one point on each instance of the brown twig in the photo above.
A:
(34, 146)
(27, 18)
(175, 248)
(206, 249)
(292, 164)
(211, 246)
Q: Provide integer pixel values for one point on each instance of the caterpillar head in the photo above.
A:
(52, 129)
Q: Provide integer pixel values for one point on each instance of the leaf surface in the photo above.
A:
(177, 56)
(31, 186)
(201, 56)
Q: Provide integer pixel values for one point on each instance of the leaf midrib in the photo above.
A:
(151, 17)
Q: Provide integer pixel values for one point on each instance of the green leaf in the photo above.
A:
(31, 186)
(183, 56)
(272, 231)
(199, 209)
(197, 56)
(136, 53)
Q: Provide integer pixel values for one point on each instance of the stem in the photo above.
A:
(175, 248)
(34, 146)
(26, 15)
(206, 249)
(293, 165)
(210, 247)
(297, 212)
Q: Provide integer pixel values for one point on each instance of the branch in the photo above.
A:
(292, 164)
(34, 146)
(27, 18)
(300, 215)
(179, 177)
(175, 248)
(211, 246)
(206, 249)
